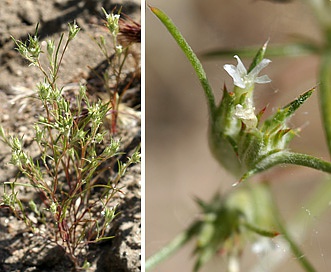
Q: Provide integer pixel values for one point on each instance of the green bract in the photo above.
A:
(241, 143)
(229, 223)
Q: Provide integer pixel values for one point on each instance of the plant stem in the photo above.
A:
(325, 95)
(191, 56)
(286, 157)
(300, 256)
(313, 208)
(179, 241)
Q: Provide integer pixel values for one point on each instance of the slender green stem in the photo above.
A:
(286, 157)
(303, 220)
(300, 256)
(291, 50)
(325, 95)
(317, 204)
(58, 64)
(307, 160)
(191, 56)
(179, 241)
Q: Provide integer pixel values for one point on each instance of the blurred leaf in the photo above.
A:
(292, 50)
(325, 96)
(279, 1)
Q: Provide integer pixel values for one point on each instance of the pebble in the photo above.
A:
(5, 117)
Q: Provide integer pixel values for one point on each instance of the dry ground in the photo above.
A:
(19, 249)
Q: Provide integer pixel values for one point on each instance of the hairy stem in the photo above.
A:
(325, 95)
(191, 56)
(179, 241)
(300, 256)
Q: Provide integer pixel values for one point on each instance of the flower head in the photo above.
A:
(112, 22)
(242, 142)
(73, 30)
(244, 80)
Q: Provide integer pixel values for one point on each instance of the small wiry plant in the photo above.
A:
(75, 150)
(123, 32)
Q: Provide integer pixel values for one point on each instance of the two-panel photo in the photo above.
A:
(165, 136)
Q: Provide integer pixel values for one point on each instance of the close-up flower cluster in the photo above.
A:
(246, 139)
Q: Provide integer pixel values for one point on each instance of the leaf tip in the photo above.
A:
(153, 9)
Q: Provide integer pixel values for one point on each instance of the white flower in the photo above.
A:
(112, 22)
(244, 80)
(119, 49)
(247, 116)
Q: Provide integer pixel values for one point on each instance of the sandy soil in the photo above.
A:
(20, 250)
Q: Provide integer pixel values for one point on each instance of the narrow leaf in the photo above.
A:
(282, 114)
(258, 57)
(287, 157)
(191, 56)
(286, 50)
